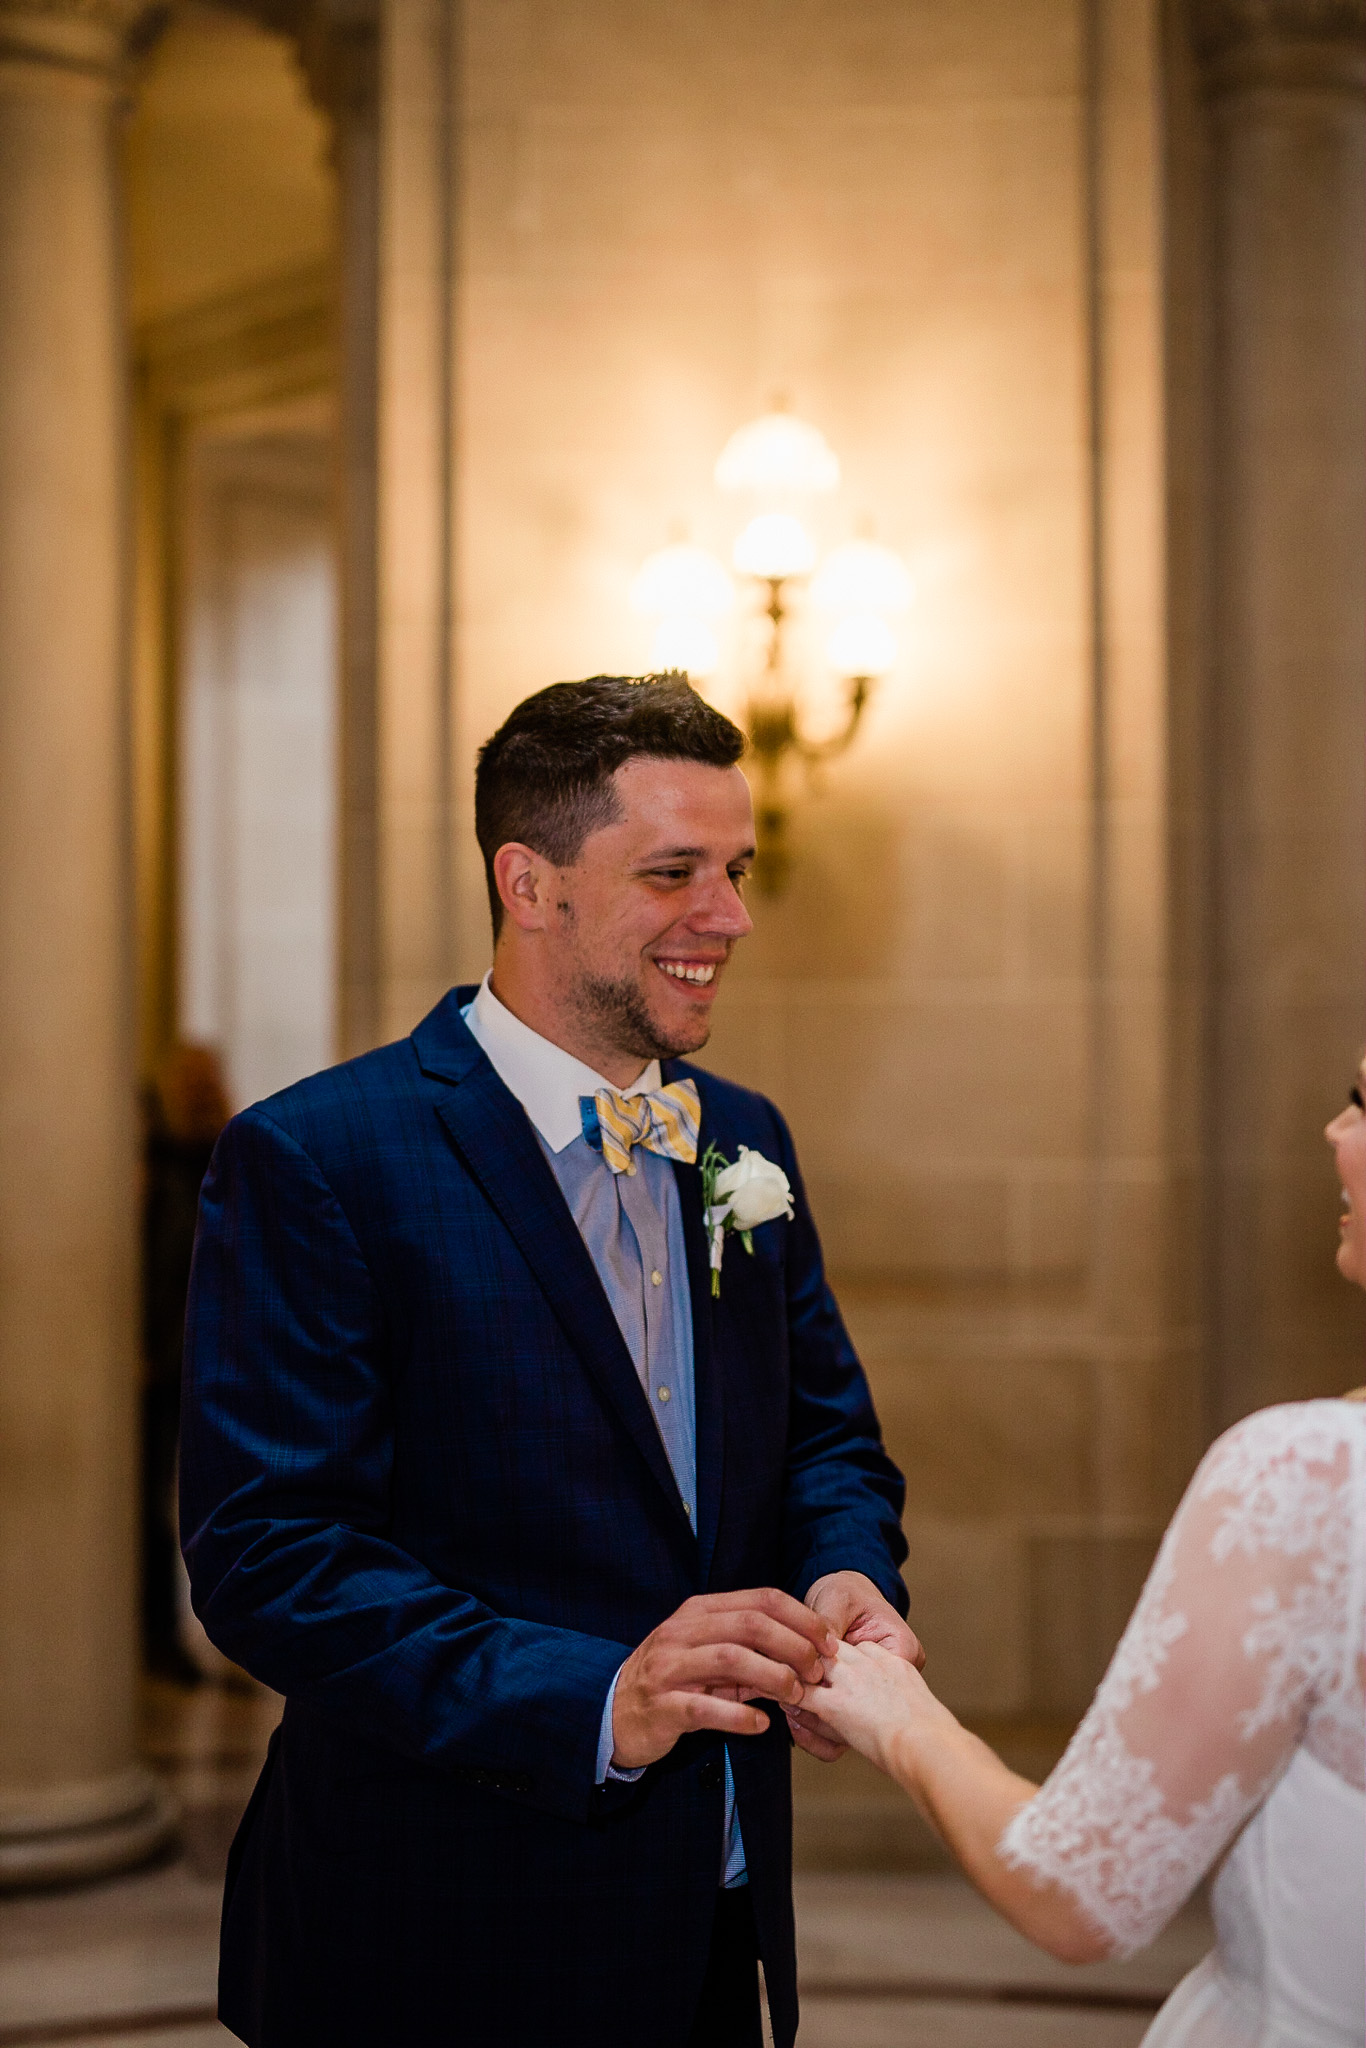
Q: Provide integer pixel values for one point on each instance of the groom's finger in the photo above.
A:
(731, 1665)
(751, 1628)
(704, 1710)
(779, 1607)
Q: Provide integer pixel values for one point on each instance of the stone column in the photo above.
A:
(415, 486)
(339, 44)
(74, 1800)
(1285, 82)
(386, 77)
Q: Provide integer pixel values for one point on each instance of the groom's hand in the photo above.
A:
(858, 1613)
(701, 1667)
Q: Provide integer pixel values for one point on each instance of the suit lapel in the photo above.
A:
(708, 1393)
(495, 1138)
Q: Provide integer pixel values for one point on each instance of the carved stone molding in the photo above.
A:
(1315, 44)
(93, 38)
(338, 45)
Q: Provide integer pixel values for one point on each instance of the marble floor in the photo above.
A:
(887, 1961)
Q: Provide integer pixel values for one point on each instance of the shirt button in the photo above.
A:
(656, 1278)
(663, 1393)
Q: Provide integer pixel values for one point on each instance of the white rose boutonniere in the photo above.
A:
(740, 1196)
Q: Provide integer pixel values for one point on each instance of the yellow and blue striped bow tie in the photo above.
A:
(666, 1122)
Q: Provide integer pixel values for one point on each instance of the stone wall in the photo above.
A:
(935, 229)
(1067, 283)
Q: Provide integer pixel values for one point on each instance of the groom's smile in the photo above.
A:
(658, 900)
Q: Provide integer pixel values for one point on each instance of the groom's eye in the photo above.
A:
(1356, 1097)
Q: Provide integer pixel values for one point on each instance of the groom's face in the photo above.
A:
(646, 918)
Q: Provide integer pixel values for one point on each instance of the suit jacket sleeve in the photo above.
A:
(844, 1494)
(286, 1465)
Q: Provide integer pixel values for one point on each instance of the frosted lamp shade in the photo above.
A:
(775, 545)
(863, 576)
(686, 643)
(777, 455)
(862, 645)
(682, 582)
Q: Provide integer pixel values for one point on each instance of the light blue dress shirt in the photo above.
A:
(632, 1226)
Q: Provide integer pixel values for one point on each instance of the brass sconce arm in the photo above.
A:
(772, 728)
(774, 738)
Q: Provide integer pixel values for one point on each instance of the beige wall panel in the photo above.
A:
(1151, 1415)
(891, 1083)
(969, 1590)
(985, 1438)
(951, 1225)
(1082, 1591)
(858, 249)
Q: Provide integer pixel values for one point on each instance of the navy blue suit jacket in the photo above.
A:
(423, 1497)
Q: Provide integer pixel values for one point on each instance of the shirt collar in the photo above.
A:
(546, 1079)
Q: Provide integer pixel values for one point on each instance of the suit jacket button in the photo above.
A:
(711, 1777)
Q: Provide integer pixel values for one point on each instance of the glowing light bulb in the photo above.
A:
(774, 546)
(682, 581)
(776, 455)
(686, 643)
(862, 645)
(862, 576)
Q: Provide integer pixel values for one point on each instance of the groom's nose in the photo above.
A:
(717, 910)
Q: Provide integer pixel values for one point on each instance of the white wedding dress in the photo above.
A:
(1231, 1724)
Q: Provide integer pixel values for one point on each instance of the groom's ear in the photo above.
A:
(526, 883)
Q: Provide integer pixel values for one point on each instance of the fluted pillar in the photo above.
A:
(74, 1800)
(339, 44)
(1285, 82)
(387, 76)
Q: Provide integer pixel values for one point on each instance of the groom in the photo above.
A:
(541, 1527)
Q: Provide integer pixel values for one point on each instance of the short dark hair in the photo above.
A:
(544, 778)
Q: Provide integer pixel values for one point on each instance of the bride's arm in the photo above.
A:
(883, 1707)
(1233, 1640)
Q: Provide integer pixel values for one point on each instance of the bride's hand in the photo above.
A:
(874, 1702)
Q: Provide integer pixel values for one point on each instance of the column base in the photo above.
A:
(83, 1832)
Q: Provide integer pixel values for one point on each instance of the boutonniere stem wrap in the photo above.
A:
(738, 1196)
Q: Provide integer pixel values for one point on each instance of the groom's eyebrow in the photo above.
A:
(690, 853)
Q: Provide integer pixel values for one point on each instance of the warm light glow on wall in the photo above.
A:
(776, 461)
(862, 576)
(681, 581)
(862, 644)
(688, 644)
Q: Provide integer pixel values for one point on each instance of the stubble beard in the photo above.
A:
(618, 1013)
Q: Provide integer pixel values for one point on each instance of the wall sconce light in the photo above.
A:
(688, 591)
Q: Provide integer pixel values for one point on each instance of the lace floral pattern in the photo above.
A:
(1246, 1641)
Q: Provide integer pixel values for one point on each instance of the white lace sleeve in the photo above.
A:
(1245, 1642)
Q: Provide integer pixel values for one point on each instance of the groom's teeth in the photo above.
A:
(701, 975)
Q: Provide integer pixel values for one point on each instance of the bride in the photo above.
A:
(1229, 1726)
